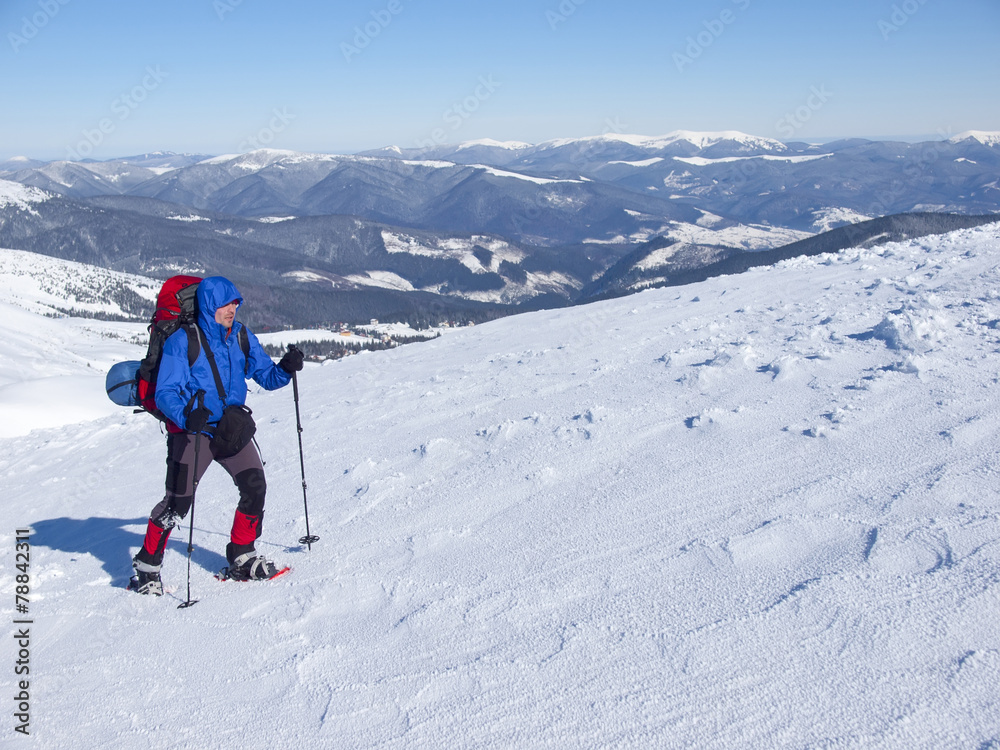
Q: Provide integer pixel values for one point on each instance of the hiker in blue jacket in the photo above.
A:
(194, 398)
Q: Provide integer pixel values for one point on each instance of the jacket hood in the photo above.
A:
(213, 293)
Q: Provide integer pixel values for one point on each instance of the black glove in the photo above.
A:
(197, 420)
(292, 361)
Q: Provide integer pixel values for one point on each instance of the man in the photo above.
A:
(193, 397)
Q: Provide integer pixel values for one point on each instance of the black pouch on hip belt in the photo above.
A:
(235, 430)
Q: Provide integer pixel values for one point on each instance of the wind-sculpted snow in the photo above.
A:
(757, 511)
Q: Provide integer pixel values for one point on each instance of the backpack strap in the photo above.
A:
(210, 356)
(244, 338)
(194, 346)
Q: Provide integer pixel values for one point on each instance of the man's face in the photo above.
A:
(225, 315)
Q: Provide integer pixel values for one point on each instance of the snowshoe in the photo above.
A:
(146, 582)
(251, 567)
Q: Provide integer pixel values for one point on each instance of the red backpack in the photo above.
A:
(133, 383)
(176, 307)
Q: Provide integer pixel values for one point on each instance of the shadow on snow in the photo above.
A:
(109, 540)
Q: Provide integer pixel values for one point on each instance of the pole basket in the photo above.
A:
(309, 539)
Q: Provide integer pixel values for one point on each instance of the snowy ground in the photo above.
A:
(760, 511)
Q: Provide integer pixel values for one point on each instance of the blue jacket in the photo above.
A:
(177, 383)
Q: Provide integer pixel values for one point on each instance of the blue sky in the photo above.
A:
(100, 79)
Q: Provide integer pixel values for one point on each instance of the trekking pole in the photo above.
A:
(194, 488)
(308, 539)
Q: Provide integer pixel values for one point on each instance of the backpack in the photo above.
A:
(133, 382)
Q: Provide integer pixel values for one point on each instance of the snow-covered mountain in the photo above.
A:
(610, 146)
(321, 266)
(567, 191)
(164, 160)
(85, 179)
(318, 270)
(482, 227)
(315, 270)
(679, 143)
(18, 163)
(427, 194)
(480, 151)
(758, 511)
(987, 138)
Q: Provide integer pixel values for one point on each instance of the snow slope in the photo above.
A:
(760, 511)
(49, 363)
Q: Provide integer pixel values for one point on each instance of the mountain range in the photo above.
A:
(482, 228)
